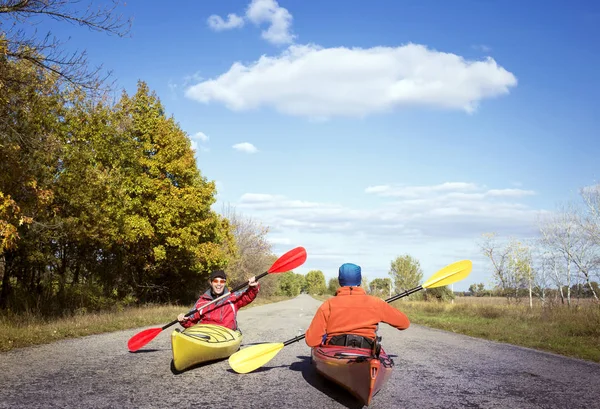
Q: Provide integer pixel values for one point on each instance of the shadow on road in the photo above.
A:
(200, 365)
(143, 351)
(318, 382)
(261, 369)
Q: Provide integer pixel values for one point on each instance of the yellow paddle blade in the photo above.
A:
(248, 359)
(450, 274)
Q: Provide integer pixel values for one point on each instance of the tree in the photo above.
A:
(30, 145)
(521, 263)
(477, 290)
(315, 282)
(333, 285)
(253, 251)
(364, 283)
(590, 222)
(381, 287)
(563, 234)
(406, 273)
(290, 284)
(18, 44)
(503, 263)
(171, 235)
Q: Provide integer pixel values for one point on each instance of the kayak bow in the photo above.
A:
(202, 343)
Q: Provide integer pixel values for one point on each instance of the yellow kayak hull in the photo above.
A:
(203, 343)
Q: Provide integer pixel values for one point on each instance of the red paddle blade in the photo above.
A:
(289, 261)
(142, 338)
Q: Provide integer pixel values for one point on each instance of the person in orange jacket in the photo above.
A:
(352, 317)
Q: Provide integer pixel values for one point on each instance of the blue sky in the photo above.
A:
(375, 129)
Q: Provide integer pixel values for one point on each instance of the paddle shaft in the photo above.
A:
(192, 312)
(389, 300)
(404, 294)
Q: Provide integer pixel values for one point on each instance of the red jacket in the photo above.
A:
(223, 312)
(352, 311)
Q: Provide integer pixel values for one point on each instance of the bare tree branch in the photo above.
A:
(47, 51)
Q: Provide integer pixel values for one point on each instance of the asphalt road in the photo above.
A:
(434, 369)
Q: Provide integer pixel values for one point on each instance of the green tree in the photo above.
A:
(315, 282)
(290, 284)
(406, 273)
(31, 109)
(172, 237)
(381, 287)
(333, 285)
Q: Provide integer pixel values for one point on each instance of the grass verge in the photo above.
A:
(573, 332)
(17, 331)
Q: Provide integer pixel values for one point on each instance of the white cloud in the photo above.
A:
(245, 147)
(278, 18)
(482, 47)
(416, 191)
(317, 82)
(259, 12)
(173, 88)
(201, 136)
(218, 24)
(456, 190)
(419, 212)
(189, 79)
(510, 192)
(198, 148)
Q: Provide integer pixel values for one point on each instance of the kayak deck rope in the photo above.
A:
(213, 335)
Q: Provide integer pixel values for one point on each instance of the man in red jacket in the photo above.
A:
(351, 317)
(223, 312)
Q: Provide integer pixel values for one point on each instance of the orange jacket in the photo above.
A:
(352, 311)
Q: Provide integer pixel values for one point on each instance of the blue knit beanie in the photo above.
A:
(349, 275)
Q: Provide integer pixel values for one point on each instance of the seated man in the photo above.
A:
(223, 312)
(351, 317)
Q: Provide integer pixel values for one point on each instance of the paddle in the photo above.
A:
(290, 260)
(248, 359)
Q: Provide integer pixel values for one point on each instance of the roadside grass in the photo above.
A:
(320, 297)
(28, 329)
(573, 332)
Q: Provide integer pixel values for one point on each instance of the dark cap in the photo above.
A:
(217, 273)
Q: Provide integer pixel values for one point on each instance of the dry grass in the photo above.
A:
(23, 330)
(567, 331)
(522, 301)
(320, 297)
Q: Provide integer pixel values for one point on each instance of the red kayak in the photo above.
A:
(358, 370)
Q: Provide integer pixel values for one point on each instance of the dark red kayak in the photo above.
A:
(358, 370)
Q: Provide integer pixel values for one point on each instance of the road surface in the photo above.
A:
(434, 369)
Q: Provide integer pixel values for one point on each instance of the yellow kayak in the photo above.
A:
(202, 343)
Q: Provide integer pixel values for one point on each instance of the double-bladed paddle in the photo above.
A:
(290, 260)
(250, 358)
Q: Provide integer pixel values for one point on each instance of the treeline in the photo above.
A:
(405, 273)
(561, 263)
(577, 291)
(99, 201)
